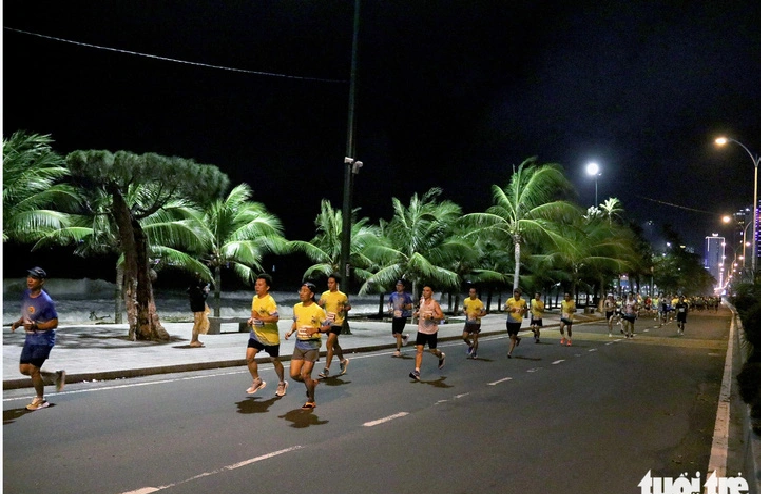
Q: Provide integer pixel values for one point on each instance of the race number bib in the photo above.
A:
(397, 313)
(303, 332)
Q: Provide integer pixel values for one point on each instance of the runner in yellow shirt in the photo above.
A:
(473, 309)
(537, 311)
(515, 308)
(336, 304)
(567, 309)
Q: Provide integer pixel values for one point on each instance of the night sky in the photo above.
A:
(450, 94)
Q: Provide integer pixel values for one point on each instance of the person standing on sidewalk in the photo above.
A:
(567, 309)
(264, 336)
(429, 316)
(537, 311)
(198, 292)
(309, 321)
(474, 310)
(336, 304)
(682, 308)
(39, 320)
(515, 308)
(400, 306)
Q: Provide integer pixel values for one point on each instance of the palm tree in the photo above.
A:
(236, 233)
(325, 248)
(170, 234)
(527, 209)
(418, 247)
(611, 209)
(34, 200)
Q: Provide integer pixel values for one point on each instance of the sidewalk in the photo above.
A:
(102, 351)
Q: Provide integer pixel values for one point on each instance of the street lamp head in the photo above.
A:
(726, 218)
(593, 169)
(720, 141)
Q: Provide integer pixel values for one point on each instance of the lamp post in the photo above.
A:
(593, 169)
(721, 141)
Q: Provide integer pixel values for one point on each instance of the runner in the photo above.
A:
(682, 308)
(264, 336)
(609, 306)
(537, 311)
(473, 309)
(429, 316)
(39, 320)
(515, 308)
(631, 307)
(400, 306)
(567, 309)
(336, 304)
(309, 320)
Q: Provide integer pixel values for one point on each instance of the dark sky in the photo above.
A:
(450, 94)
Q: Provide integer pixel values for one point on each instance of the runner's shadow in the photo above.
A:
(520, 357)
(255, 405)
(480, 359)
(333, 381)
(301, 418)
(436, 383)
(10, 416)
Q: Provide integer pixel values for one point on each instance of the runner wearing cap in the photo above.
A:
(39, 319)
(309, 320)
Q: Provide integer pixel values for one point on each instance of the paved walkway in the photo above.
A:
(102, 351)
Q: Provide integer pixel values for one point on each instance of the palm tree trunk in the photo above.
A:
(118, 294)
(217, 281)
(516, 275)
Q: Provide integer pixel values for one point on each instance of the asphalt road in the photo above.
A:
(593, 418)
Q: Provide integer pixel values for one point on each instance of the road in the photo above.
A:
(592, 418)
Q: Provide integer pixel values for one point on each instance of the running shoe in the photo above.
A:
(568, 343)
(281, 388)
(344, 365)
(405, 337)
(441, 360)
(415, 375)
(309, 405)
(397, 353)
(256, 386)
(60, 380)
(469, 350)
(509, 355)
(562, 341)
(474, 355)
(37, 404)
(325, 372)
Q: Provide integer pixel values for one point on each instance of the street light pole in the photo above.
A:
(351, 167)
(756, 159)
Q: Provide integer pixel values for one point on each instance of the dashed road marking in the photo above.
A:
(385, 419)
(558, 361)
(499, 381)
(226, 468)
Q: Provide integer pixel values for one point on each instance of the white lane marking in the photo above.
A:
(105, 388)
(385, 419)
(592, 350)
(533, 369)
(461, 396)
(227, 468)
(499, 381)
(558, 361)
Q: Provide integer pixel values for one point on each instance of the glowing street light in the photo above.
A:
(722, 141)
(593, 169)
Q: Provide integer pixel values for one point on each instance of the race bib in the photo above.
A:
(303, 332)
(397, 313)
(682, 309)
(331, 317)
(566, 315)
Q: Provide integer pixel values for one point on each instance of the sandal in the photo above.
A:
(309, 405)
